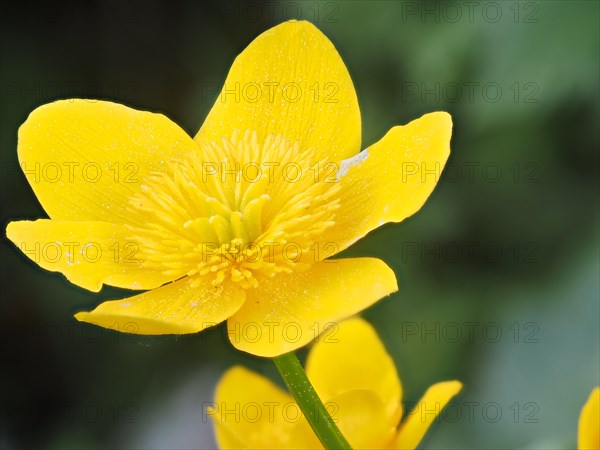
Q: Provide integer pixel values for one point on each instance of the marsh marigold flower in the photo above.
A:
(358, 383)
(589, 423)
(237, 223)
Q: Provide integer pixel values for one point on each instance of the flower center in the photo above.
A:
(236, 209)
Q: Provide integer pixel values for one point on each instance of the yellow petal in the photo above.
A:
(185, 306)
(226, 438)
(424, 414)
(251, 412)
(84, 158)
(288, 311)
(360, 415)
(390, 180)
(87, 253)
(290, 80)
(354, 358)
(589, 423)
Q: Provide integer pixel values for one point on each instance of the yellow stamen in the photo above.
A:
(236, 209)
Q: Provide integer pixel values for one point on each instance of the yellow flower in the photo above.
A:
(235, 224)
(589, 423)
(358, 383)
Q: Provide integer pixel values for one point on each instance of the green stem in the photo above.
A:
(311, 405)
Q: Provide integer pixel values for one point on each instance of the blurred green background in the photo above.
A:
(498, 274)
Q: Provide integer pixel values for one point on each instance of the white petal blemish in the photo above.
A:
(125, 305)
(347, 164)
